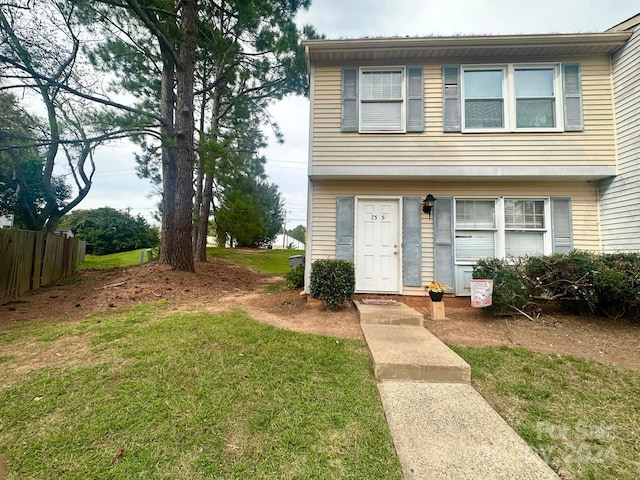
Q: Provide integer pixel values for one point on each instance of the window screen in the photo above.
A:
(535, 97)
(484, 102)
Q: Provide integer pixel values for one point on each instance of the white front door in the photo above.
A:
(377, 254)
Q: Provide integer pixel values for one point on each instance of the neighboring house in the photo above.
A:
(65, 232)
(285, 241)
(620, 195)
(510, 134)
(6, 221)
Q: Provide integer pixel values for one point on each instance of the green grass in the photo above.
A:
(123, 259)
(149, 393)
(268, 261)
(581, 416)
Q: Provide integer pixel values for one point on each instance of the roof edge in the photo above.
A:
(615, 38)
(626, 25)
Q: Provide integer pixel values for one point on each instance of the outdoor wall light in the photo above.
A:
(428, 203)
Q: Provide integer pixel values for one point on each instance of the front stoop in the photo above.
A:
(443, 430)
(398, 314)
(413, 354)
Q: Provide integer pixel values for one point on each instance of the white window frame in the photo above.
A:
(505, 98)
(545, 230)
(500, 225)
(509, 97)
(402, 100)
(494, 229)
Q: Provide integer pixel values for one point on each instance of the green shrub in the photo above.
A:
(332, 282)
(566, 279)
(295, 277)
(602, 284)
(107, 230)
(509, 289)
(616, 283)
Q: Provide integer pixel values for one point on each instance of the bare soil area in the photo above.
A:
(218, 285)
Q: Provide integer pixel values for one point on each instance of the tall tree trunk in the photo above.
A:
(207, 190)
(199, 178)
(205, 210)
(182, 258)
(167, 106)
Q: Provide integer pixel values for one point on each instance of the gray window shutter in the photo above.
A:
(561, 225)
(415, 99)
(443, 241)
(572, 92)
(349, 99)
(344, 228)
(411, 242)
(451, 98)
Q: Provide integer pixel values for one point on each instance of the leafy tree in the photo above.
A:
(256, 58)
(107, 230)
(250, 215)
(247, 54)
(299, 233)
(22, 188)
(41, 57)
(187, 62)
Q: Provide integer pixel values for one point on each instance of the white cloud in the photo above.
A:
(115, 183)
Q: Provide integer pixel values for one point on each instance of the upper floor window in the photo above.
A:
(484, 98)
(383, 99)
(512, 97)
(535, 94)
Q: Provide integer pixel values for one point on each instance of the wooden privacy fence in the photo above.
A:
(29, 260)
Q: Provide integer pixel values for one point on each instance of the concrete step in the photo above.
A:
(398, 314)
(443, 430)
(413, 354)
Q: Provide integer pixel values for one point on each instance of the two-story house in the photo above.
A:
(509, 134)
(620, 195)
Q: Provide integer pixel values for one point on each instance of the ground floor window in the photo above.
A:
(501, 227)
(524, 224)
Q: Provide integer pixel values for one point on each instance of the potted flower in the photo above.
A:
(436, 290)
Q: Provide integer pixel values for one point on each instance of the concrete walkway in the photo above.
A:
(441, 427)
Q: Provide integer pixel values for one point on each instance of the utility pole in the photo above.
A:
(284, 230)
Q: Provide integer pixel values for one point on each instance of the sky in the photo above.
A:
(116, 185)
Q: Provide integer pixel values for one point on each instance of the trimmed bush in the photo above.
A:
(295, 277)
(603, 284)
(332, 282)
(509, 290)
(616, 283)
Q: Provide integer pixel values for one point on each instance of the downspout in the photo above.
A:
(309, 242)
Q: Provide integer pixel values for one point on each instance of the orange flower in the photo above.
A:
(436, 287)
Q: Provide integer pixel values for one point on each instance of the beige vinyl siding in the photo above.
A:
(583, 199)
(592, 147)
(620, 196)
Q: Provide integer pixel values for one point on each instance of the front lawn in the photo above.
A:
(582, 417)
(268, 261)
(150, 393)
(122, 259)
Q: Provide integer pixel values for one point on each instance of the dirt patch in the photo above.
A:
(32, 354)
(219, 285)
(616, 342)
(92, 291)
